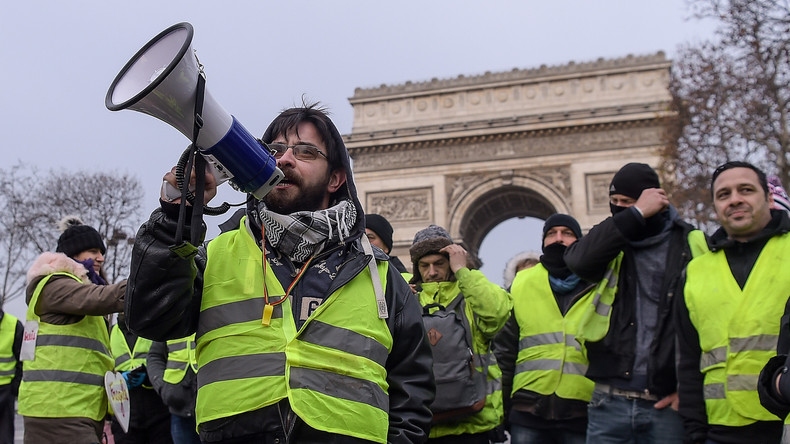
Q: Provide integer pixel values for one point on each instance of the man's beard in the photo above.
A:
(307, 199)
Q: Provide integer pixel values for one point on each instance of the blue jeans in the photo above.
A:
(526, 435)
(616, 419)
(183, 430)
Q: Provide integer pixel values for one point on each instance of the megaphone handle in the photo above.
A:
(183, 183)
(200, 186)
(199, 94)
(169, 192)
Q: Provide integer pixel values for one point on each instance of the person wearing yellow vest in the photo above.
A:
(172, 368)
(729, 313)
(10, 372)
(304, 332)
(66, 350)
(149, 418)
(442, 272)
(543, 366)
(632, 351)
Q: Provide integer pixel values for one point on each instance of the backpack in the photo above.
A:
(460, 389)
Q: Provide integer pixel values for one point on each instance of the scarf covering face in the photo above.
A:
(302, 234)
(553, 262)
(92, 275)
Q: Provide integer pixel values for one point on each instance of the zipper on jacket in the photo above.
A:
(288, 421)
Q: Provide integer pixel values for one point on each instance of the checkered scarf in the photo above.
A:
(305, 233)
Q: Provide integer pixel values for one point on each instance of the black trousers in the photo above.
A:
(6, 414)
(149, 420)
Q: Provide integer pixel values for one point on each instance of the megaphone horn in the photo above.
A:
(165, 80)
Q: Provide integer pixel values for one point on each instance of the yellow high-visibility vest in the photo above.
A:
(738, 329)
(66, 378)
(332, 369)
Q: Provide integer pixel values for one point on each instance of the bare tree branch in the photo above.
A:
(33, 203)
(732, 98)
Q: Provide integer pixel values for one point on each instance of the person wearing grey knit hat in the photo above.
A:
(433, 241)
(441, 270)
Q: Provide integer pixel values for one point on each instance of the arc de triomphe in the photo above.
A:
(471, 152)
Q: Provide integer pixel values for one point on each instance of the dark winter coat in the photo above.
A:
(612, 358)
(164, 297)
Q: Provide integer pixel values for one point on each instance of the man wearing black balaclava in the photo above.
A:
(543, 367)
(630, 344)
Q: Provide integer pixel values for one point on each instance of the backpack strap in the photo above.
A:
(458, 306)
(381, 303)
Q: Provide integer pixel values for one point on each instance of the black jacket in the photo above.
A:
(163, 302)
(179, 398)
(741, 257)
(613, 356)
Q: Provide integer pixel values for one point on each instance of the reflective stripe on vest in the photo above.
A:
(180, 356)
(7, 359)
(738, 329)
(66, 379)
(332, 369)
(550, 360)
(444, 293)
(594, 323)
(126, 359)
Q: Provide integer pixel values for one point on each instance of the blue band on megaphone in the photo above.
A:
(251, 165)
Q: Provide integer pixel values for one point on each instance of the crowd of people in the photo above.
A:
(294, 325)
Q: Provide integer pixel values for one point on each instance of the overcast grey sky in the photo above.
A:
(59, 58)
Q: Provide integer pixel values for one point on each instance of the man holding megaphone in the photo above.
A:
(304, 332)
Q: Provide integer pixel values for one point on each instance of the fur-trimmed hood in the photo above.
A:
(510, 268)
(48, 263)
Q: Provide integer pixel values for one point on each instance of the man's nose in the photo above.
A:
(736, 198)
(287, 158)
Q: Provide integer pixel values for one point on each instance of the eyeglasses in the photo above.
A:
(301, 152)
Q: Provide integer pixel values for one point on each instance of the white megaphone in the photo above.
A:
(165, 80)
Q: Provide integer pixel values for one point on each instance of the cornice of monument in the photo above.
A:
(587, 92)
(571, 69)
(363, 154)
(541, 123)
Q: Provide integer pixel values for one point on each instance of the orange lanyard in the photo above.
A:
(268, 307)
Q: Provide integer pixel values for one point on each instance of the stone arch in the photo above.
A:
(548, 140)
(494, 201)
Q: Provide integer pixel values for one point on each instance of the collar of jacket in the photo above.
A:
(779, 224)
